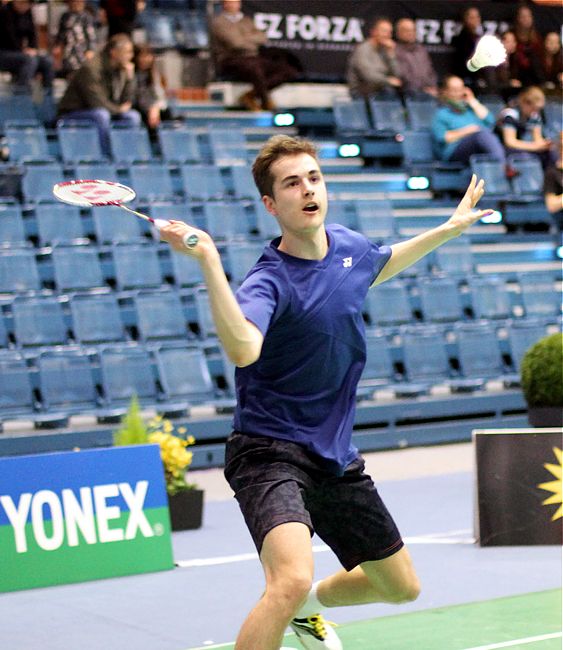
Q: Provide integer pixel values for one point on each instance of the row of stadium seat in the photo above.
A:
(58, 383)
(157, 315)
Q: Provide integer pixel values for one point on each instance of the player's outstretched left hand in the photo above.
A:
(464, 216)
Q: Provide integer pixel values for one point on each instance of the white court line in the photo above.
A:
(493, 646)
(434, 538)
(508, 644)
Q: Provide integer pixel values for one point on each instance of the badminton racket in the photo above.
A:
(93, 193)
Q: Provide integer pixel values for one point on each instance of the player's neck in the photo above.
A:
(307, 246)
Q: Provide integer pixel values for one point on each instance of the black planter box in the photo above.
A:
(186, 509)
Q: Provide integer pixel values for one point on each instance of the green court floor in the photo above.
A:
(527, 622)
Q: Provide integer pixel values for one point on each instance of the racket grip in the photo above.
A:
(160, 223)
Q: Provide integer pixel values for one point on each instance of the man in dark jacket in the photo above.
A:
(18, 46)
(103, 89)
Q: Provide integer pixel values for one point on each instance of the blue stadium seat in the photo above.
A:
(26, 140)
(113, 225)
(425, 358)
(39, 321)
(193, 32)
(540, 298)
(228, 146)
(76, 267)
(16, 107)
(494, 103)
(127, 371)
(241, 257)
(3, 332)
(178, 143)
(341, 212)
(375, 218)
(522, 334)
(96, 318)
(160, 30)
(186, 270)
(225, 220)
(58, 224)
(265, 222)
(151, 181)
(136, 266)
(351, 117)
(166, 210)
(389, 304)
(79, 141)
(16, 396)
(417, 147)
(440, 299)
(184, 374)
(160, 315)
(39, 179)
(202, 182)
(455, 257)
(379, 370)
(205, 320)
(104, 171)
(12, 230)
(529, 181)
(228, 374)
(478, 351)
(490, 297)
(243, 182)
(18, 271)
(493, 173)
(388, 115)
(553, 117)
(420, 112)
(129, 143)
(66, 382)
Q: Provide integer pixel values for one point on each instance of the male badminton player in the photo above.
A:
(295, 331)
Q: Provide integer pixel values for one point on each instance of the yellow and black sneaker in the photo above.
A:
(314, 633)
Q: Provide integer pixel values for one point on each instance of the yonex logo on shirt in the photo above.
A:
(346, 262)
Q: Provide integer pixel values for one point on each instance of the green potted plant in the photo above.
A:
(542, 381)
(185, 500)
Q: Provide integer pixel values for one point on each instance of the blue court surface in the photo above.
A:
(202, 602)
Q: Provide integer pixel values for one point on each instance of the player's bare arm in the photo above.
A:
(406, 253)
(241, 340)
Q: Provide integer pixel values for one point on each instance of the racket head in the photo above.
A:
(94, 192)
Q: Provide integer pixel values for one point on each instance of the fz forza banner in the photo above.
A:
(519, 486)
(77, 516)
(321, 34)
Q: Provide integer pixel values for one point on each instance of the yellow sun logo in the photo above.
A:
(555, 486)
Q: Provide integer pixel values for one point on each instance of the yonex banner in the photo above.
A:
(76, 516)
(519, 486)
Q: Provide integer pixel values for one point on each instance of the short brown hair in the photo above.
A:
(273, 149)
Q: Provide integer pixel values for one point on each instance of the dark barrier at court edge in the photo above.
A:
(519, 486)
(322, 33)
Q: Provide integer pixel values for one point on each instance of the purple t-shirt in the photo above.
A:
(303, 386)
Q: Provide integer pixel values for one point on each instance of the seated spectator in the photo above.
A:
(552, 64)
(150, 99)
(237, 49)
(462, 126)
(553, 187)
(18, 46)
(464, 44)
(76, 39)
(120, 15)
(373, 67)
(103, 89)
(415, 65)
(521, 126)
(529, 47)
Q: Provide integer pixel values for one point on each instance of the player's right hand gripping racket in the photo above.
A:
(88, 193)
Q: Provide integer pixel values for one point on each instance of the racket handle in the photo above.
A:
(160, 223)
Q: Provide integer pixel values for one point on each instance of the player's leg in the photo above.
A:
(391, 580)
(287, 559)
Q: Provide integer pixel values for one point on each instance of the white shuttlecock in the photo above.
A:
(489, 51)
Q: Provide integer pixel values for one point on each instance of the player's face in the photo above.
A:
(299, 200)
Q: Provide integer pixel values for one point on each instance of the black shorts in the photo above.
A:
(277, 481)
